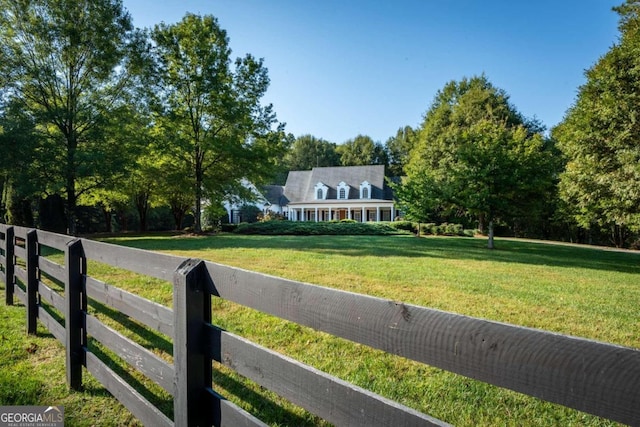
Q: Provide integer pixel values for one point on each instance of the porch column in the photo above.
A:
(349, 212)
(364, 219)
(316, 214)
(303, 218)
(393, 212)
(377, 213)
(329, 213)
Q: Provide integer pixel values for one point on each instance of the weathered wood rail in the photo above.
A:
(598, 378)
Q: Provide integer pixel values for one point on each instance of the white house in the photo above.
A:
(359, 193)
(269, 199)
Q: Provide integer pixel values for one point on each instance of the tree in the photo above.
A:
(362, 151)
(68, 62)
(476, 153)
(398, 148)
(599, 138)
(211, 110)
(17, 164)
(308, 152)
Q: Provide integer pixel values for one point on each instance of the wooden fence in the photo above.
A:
(598, 378)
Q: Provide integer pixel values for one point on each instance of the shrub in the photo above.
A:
(429, 228)
(270, 216)
(228, 228)
(404, 225)
(452, 229)
(444, 229)
(318, 228)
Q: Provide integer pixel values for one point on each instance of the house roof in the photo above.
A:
(274, 194)
(300, 184)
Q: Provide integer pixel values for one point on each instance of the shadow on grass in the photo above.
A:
(152, 394)
(459, 248)
(150, 339)
(267, 410)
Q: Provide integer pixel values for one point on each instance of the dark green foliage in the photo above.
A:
(318, 228)
(398, 148)
(362, 151)
(212, 117)
(249, 213)
(404, 225)
(476, 154)
(67, 66)
(444, 229)
(308, 152)
(228, 228)
(599, 139)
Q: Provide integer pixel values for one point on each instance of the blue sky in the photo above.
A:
(343, 68)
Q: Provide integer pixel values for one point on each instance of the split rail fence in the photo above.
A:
(598, 378)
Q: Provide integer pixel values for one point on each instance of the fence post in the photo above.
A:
(9, 257)
(31, 246)
(75, 304)
(191, 310)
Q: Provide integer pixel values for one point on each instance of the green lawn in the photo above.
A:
(579, 291)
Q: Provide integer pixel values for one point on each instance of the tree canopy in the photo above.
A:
(362, 151)
(210, 110)
(308, 152)
(475, 153)
(68, 63)
(398, 148)
(600, 137)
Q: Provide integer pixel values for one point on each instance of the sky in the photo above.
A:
(342, 68)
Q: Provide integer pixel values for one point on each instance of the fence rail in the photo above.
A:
(598, 378)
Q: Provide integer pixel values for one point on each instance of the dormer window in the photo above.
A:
(365, 190)
(343, 191)
(321, 191)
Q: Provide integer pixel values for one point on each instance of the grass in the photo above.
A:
(32, 372)
(577, 291)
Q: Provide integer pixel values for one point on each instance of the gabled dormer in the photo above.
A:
(365, 190)
(321, 191)
(343, 191)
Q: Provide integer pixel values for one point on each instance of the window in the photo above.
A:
(365, 190)
(343, 190)
(321, 191)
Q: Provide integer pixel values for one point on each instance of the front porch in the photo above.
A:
(373, 212)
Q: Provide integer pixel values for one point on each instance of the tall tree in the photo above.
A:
(66, 61)
(600, 136)
(308, 152)
(362, 151)
(475, 152)
(211, 108)
(398, 148)
(17, 165)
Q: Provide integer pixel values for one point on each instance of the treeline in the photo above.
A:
(107, 127)
(102, 119)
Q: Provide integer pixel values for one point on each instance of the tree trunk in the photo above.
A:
(178, 211)
(72, 198)
(142, 205)
(490, 242)
(107, 219)
(71, 209)
(197, 224)
(178, 217)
